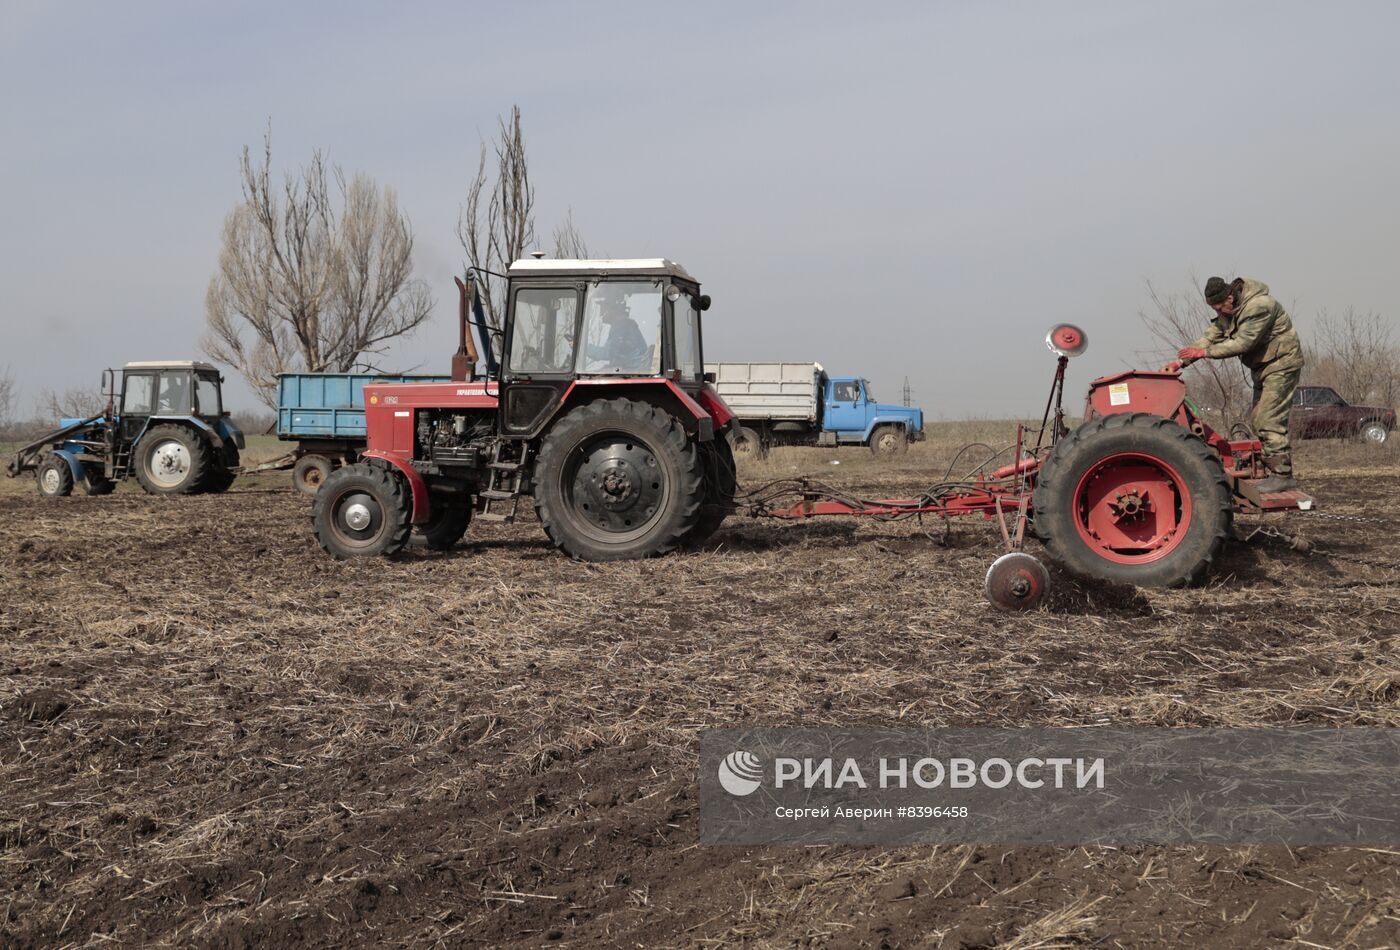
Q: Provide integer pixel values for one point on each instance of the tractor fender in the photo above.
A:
(417, 486)
(73, 464)
(194, 422)
(697, 419)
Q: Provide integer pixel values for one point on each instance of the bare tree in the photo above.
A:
(1221, 388)
(568, 241)
(75, 402)
(1356, 354)
(9, 397)
(309, 283)
(499, 232)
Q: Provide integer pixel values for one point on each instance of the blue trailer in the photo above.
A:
(324, 413)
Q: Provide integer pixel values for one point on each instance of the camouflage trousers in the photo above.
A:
(1273, 398)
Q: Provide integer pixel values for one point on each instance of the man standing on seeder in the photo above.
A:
(1252, 325)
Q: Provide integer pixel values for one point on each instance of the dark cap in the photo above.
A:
(1217, 289)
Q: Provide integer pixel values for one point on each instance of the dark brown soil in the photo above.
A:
(211, 734)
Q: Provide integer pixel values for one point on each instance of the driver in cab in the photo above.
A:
(625, 348)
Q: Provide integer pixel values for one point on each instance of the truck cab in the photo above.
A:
(851, 414)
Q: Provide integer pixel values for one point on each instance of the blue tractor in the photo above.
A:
(165, 424)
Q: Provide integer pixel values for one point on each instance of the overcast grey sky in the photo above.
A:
(893, 189)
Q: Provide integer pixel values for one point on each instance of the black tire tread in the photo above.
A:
(65, 476)
(387, 485)
(640, 416)
(1052, 504)
(200, 459)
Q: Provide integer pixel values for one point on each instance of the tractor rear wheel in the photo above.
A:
(362, 510)
(310, 473)
(1134, 498)
(618, 479)
(55, 478)
(887, 441)
(747, 444)
(721, 484)
(172, 460)
(446, 525)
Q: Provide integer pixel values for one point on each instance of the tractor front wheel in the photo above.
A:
(172, 460)
(362, 510)
(1134, 498)
(55, 478)
(618, 479)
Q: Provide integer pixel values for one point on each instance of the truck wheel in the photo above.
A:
(887, 441)
(747, 444)
(445, 527)
(618, 479)
(362, 510)
(55, 478)
(171, 460)
(1133, 498)
(721, 484)
(1374, 432)
(310, 473)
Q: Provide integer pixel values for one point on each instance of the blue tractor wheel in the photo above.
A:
(55, 477)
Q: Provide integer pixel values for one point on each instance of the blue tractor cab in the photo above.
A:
(164, 424)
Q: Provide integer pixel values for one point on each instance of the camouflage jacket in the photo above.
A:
(1259, 332)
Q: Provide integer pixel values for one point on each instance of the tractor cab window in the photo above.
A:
(206, 394)
(174, 394)
(542, 335)
(139, 396)
(622, 328)
(687, 336)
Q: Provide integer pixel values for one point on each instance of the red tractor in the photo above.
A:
(599, 411)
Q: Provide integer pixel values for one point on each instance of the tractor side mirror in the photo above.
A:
(702, 302)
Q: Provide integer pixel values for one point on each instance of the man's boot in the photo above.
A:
(1280, 474)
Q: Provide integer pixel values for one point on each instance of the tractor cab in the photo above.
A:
(607, 321)
(182, 388)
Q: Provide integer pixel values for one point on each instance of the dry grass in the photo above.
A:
(210, 733)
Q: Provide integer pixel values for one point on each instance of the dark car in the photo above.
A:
(1319, 412)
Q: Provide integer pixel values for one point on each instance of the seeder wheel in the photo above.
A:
(1017, 581)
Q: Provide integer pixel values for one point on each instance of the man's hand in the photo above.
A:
(1173, 367)
(1189, 354)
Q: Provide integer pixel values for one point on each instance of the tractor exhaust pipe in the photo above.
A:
(464, 360)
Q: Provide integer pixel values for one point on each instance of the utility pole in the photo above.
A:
(908, 394)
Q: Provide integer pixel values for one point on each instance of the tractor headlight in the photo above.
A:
(673, 293)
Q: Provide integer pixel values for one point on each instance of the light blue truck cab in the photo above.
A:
(851, 413)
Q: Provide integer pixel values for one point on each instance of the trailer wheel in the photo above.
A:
(887, 441)
(55, 478)
(172, 460)
(310, 473)
(721, 484)
(445, 527)
(362, 510)
(618, 479)
(747, 444)
(1134, 498)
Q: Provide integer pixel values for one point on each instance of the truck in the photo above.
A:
(801, 404)
(324, 414)
(164, 424)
